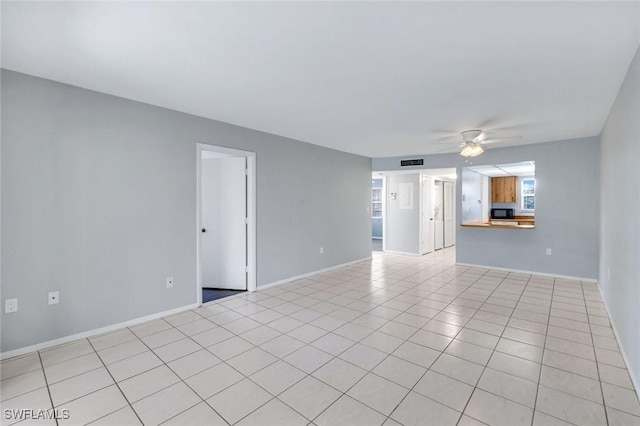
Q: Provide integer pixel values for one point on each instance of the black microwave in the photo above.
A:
(502, 213)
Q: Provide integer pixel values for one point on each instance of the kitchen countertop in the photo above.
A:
(490, 225)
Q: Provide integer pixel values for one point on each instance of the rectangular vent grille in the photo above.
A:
(415, 162)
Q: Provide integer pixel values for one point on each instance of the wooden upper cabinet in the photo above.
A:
(503, 189)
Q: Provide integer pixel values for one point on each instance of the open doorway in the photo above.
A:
(413, 211)
(226, 222)
(377, 212)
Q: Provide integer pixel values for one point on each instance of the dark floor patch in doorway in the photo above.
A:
(376, 244)
(209, 294)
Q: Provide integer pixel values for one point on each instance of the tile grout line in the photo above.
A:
(117, 385)
(387, 417)
(367, 371)
(205, 348)
(114, 380)
(266, 366)
(247, 377)
(178, 376)
(544, 349)
(475, 387)
(203, 400)
(371, 370)
(445, 348)
(593, 346)
(46, 383)
(441, 352)
(308, 344)
(595, 355)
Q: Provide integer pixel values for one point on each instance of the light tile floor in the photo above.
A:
(396, 340)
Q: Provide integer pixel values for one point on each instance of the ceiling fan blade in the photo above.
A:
(488, 123)
(442, 131)
(500, 140)
(446, 139)
(483, 137)
(450, 149)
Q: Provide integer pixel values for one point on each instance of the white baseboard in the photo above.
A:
(521, 271)
(635, 380)
(114, 327)
(91, 333)
(310, 274)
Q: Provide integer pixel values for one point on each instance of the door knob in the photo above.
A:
(204, 229)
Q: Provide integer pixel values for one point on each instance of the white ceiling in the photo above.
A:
(375, 78)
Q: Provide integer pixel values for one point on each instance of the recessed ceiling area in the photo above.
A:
(525, 168)
(448, 174)
(372, 78)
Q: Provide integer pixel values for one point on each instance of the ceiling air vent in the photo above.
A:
(414, 162)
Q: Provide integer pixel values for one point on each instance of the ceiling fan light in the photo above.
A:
(471, 150)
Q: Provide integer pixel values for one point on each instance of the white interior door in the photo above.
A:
(449, 206)
(223, 222)
(426, 215)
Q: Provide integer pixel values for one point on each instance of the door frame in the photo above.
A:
(426, 182)
(251, 213)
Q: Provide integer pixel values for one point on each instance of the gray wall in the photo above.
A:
(567, 219)
(99, 202)
(619, 227)
(403, 225)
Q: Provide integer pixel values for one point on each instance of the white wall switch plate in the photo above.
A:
(548, 252)
(169, 282)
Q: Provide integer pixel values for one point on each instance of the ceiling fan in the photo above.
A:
(474, 140)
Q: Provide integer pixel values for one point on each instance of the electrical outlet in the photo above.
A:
(548, 252)
(321, 250)
(10, 305)
(54, 297)
(169, 282)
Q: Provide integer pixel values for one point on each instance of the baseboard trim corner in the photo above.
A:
(635, 380)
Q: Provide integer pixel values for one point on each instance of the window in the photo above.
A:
(528, 194)
(376, 202)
